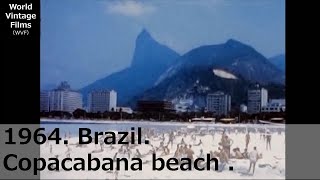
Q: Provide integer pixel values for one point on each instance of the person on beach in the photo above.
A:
(116, 173)
(160, 147)
(152, 151)
(213, 133)
(212, 154)
(111, 147)
(224, 155)
(253, 157)
(247, 139)
(166, 150)
(128, 151)
(185, 149)
(193, 137)
(245, 154)
(237, 153)
(190, 154)
(47, 142)
(121, 150)
(137, 154)
(101, 143)
(171, 138)
(182, 141)
(223, 159)
(50, 148)
(227, 143)
(115, 157)
(200, 143)
(55, 165)
(180, 152)
(201, 155)
(223, 139)
(268, 138)
(223, 134)
(68, 152)
(163, 137)
(176, 153)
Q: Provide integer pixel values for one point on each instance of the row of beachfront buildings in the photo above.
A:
(258, 102)
(63, 98)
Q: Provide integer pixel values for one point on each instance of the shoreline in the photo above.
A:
(145, 122)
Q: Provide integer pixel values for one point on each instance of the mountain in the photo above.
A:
(230, 67)
(150, 60)
(279, 61)
(233, 56)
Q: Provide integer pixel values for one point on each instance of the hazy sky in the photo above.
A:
(85, 40)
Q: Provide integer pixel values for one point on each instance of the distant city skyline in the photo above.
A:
(83, 41)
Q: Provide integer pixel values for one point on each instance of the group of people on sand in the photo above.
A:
(267, 138)
(224, 153)
(183, 149)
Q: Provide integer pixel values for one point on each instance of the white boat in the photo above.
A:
(227, 120)
(273, 121)
(203, 119)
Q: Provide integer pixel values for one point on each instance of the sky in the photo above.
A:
(85, 40)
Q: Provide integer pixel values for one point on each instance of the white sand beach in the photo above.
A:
(270, 166)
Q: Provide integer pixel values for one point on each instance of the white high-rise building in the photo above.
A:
(61, 99)
(257, 98)
(44, 101)
(65, 100)
(219, 103)
(101, 101)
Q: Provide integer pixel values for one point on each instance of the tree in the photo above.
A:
(79, 113)
(120, 110)
(67, 115)
(98, 115)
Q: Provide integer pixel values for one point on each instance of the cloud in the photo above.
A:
(129, 8)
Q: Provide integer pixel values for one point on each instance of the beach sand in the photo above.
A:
(274, 157)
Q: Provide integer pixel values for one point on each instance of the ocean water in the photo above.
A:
(72, 127)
